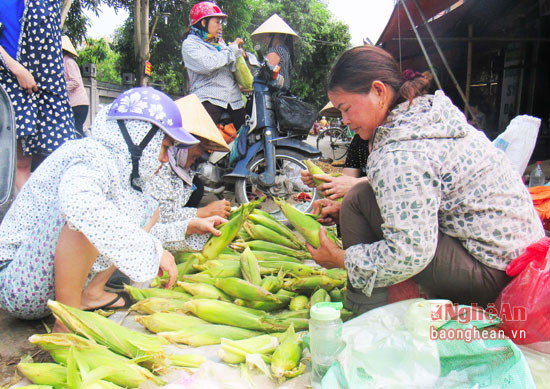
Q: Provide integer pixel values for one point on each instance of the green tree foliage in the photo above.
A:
(322, 39)
(99, 52)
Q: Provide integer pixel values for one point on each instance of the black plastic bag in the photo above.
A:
(293, 114)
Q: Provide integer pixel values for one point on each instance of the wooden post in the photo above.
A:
(469, 68)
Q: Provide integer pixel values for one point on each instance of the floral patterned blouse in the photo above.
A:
(88, 182)
(173, 193)
(430, 170)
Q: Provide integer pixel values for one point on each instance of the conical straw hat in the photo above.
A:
(330, 110)
(274, 25)
(198, 122)
(68, 46)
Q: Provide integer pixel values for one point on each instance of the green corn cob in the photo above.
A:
(261, 217)
(106, 332)
(285, 361)
(158, 304)
(45, 373)
(205, 291)
(245, 290)
(232, 351)
(298, 303)
(336, 273)
(259, 232)
(296, 269)
(207, 334)
(216, 263)
(233, 270)
(267, 306)
(125, 373)
(336, 295)
(226, 256)
(168, 321)
(272, 284)
(199, 277)
(229, 230)
(270, 256)
(243, 235)
(300, 314)
(141, 294)
(314, 169)
(312, 283)
(261, 245)
(308, 227)
(250, 268)
(319, 296)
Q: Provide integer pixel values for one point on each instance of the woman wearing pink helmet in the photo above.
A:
(83, 214)
(210, 63)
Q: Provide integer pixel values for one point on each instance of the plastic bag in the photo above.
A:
(240, 146)
(394, 347)
(524, 303)
(293, 113)
(518, 140)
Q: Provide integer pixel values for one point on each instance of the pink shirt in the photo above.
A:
(75, 86)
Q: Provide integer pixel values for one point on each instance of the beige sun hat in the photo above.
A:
(198, 122)
(67, 45)
(274, 25)
(330, 110)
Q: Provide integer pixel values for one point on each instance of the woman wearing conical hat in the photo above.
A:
(78, 98)
(279, 37)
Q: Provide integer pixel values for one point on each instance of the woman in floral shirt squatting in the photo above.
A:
(442, 205)
(83, 213)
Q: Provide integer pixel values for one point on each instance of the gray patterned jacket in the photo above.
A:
(432, 171)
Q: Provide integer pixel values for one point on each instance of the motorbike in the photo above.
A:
(273, 160)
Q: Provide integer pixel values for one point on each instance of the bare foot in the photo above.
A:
(93, 300)
(59, 327)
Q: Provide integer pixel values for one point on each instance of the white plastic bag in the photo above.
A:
(518, 140)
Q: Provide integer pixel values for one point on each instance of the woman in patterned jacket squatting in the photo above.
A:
(442, 205)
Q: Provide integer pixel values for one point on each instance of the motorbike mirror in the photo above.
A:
(252, 59)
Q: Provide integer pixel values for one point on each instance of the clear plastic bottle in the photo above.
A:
(325, 333)
(536, 178)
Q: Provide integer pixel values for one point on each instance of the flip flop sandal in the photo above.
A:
(109, 306)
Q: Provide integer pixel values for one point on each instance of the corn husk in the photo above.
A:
(261, 217)
(319, 296)
(236, 351)
(138, 294)
(229, 231)
(308, 227)
(164, 321)
(259, 232)
(207, 334)
(44, 373)
(205, 291)
(125, 371)
(285, 361)
(249, 267)
(261, 245)
(245, 290)
(158, 304)
(296, 269)
(306, 284)
(298, 303)
(106, 332)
